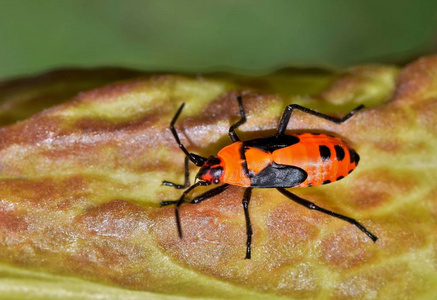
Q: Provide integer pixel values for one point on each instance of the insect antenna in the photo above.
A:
(196, 159)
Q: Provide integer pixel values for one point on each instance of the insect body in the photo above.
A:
(279, 161)
(298, 160)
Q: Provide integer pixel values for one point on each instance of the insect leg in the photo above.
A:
(311, 205)
(246, 199)
(289, 110)
(196, 159)
(180, 201)
(202, 197)
(187, 178)
(209, 194)
(232, 134)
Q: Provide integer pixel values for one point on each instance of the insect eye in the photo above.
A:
(216, 181)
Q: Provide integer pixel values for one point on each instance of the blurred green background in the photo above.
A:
(242, 36)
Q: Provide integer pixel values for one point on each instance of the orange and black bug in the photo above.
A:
(279, 161)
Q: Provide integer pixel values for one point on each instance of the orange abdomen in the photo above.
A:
(325, 158)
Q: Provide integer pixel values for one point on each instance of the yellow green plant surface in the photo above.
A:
(81, 186)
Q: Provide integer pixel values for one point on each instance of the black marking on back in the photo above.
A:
(326, 181)
(354, 157)
(272, 143)
(242, 151)
(339, 152)
(213, 160)
(325, 153)
(216, 172)
(340, 177)
(357, 158)
(277, 175)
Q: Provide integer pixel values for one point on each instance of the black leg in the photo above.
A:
(232, 134)
(209, 194)
(196, 159)
(311, 205)
(289, 110)
(187, 178)
(170, 202)
(180, 201)
(246, 200)
(202, 197)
